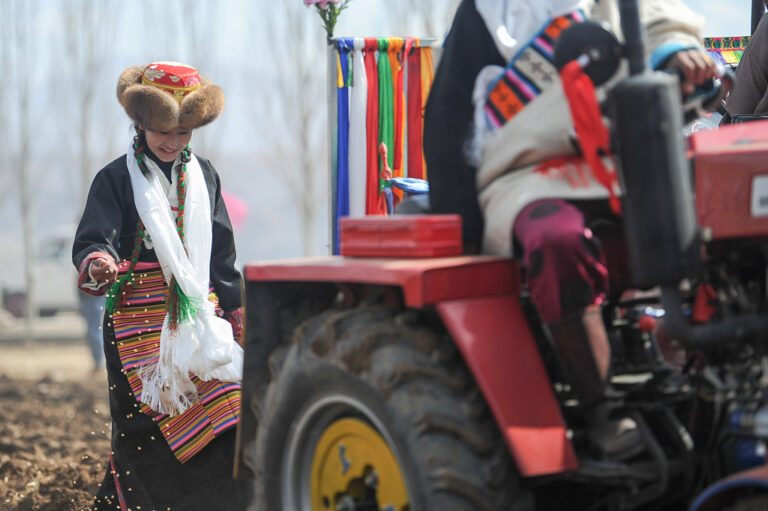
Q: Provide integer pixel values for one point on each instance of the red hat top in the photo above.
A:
(172, 77)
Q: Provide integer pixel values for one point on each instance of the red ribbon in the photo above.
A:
(415, 115)
(396, 45)
(372, 128)
(592, 135)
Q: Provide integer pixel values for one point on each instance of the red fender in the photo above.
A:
(476, 297)
(722, 494)
(498, 346)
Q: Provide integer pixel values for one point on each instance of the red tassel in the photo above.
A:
(593, 136)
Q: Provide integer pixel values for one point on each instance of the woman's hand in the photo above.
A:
(103, 270)
(695, 67)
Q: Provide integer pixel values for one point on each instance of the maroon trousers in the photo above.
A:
(572, 259)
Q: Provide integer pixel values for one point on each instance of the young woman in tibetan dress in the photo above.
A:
(155, 237)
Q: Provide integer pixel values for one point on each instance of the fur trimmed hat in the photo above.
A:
(164, 96)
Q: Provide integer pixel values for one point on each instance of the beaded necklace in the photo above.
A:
(179, 306)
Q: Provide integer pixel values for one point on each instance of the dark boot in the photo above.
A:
(583, 345)
(615, 439)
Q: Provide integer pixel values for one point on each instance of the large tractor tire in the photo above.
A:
(374, 410)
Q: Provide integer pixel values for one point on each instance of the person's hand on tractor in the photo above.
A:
(703, 82)
(103, 270)
(695, 68)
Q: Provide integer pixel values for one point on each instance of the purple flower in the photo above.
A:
(329, 12)
(321, 4)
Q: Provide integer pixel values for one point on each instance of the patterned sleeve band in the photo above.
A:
(85, 281)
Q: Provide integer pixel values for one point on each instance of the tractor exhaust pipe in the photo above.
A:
(659, 217)
(634, 44)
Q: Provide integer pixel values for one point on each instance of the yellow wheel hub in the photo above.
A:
(350, 457)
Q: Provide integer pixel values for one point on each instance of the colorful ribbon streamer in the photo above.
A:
(395, 47)
(372, 127)
(342, 170)
(386, 108)
(357, 131)
(415, 113)
(382, 85)
(427, 77)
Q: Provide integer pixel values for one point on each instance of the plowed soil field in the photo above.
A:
(54, 427)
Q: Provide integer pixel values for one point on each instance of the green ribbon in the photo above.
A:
(386, 106)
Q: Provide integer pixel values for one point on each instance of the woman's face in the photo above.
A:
(167, 144)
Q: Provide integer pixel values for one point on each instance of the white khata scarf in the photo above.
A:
(203, 344)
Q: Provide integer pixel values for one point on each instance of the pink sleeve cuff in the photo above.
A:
(85, 282)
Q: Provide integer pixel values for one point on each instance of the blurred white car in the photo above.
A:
(55, 279)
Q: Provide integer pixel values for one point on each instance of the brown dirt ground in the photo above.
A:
(54, 427)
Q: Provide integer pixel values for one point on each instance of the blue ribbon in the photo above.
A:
(345, 46)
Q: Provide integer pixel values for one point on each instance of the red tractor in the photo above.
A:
(405, 376)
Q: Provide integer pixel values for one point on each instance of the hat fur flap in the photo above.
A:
(130, 76)
(156, 110)
(151, 108)
(201, 107)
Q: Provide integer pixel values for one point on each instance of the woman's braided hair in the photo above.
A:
(179, 306)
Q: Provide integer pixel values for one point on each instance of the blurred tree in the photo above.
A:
(422, 18)
(22, 54)
(82, 65)
(5, 56)
(290, 124)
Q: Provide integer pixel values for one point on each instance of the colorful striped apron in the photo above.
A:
(137, 328)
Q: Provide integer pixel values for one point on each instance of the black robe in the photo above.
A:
(448, 126)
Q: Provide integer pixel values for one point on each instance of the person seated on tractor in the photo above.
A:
(750, 92)
(496, 112)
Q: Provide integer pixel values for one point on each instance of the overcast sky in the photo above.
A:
(724, 17)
